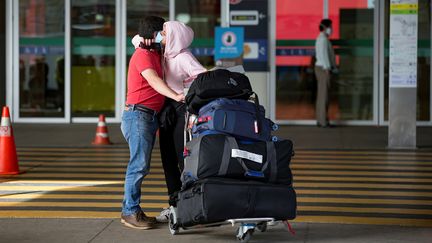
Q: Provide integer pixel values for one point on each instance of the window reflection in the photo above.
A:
(202, 16)
(41, 69)
(351, 90)
(93, 57)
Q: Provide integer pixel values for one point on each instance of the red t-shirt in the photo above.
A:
(139, 90)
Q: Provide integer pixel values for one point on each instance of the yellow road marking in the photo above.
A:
(354, 157)
(101, 170)
(64, 164)
(361, 152)
(77, 204)
(295, 172)
(297, 151)
(163, 189)
(365, 210)
(359, 167)
(63, 214)
(76, 154)
(360, 185)
(66, 182)
(378, 173)
(365, 220)
(365, 179)
(32, 196)
(301, 198)
(77, 175)
(370, 193)
(75, 188)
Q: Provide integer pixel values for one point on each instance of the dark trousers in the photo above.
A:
(171, 142)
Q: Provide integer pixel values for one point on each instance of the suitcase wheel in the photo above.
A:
(245, 232)
(262, 226)
(172, 221)
(275, 127)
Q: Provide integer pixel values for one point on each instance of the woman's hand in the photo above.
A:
(136, 41)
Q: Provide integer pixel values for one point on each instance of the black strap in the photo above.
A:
(272, 160)
(226, 157)
(233, 145)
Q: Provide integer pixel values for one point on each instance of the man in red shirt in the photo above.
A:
(145, 98)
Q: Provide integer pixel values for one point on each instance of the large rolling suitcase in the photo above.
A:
(217, 199)
(217, 84)
(239, 118)
(219, 155)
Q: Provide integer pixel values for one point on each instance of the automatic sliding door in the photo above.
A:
(41, 75)
(93, 68)
(351, 91)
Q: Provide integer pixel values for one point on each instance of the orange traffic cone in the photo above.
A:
(101, 137)
(8, 155)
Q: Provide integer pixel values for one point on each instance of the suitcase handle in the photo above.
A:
(224, 120)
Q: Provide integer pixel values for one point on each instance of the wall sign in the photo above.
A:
(228, 42)
(403, 43)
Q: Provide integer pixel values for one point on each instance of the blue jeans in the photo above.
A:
(139, 129)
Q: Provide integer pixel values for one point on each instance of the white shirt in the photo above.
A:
(324, 53)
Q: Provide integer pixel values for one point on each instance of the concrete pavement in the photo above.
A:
(111, 230)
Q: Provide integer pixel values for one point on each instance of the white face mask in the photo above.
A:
(158, 37)
(328, 31)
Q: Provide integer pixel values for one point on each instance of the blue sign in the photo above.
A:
(228, 42)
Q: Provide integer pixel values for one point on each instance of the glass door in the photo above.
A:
(39, 69)
(93, 58)
(136, 10)
(351, 97)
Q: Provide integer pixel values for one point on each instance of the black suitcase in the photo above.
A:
(215, 84)
(214, 200)
(220, 155)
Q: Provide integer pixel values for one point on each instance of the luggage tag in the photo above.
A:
(237, 153)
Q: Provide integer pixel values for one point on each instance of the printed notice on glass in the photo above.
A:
(403, 43)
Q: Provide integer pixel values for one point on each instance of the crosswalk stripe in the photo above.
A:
(364, 220)
(345, 186)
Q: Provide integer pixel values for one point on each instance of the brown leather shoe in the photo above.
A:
(137, 221)
(150, 219)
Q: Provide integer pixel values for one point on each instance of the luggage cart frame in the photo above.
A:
(246, 229)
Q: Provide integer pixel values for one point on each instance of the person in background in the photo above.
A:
(325, 63)
(145, 98)
(180, 69)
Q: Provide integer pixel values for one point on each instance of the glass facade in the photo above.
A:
(93, 57)
(3, 54)
(202, 17)
(136, 10)
(351, 90)
(84, 75)
(41, 58)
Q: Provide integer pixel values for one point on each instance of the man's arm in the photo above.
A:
(160, 86)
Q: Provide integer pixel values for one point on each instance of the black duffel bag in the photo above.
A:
(215, 200)
(215, 84)
(220, 155)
